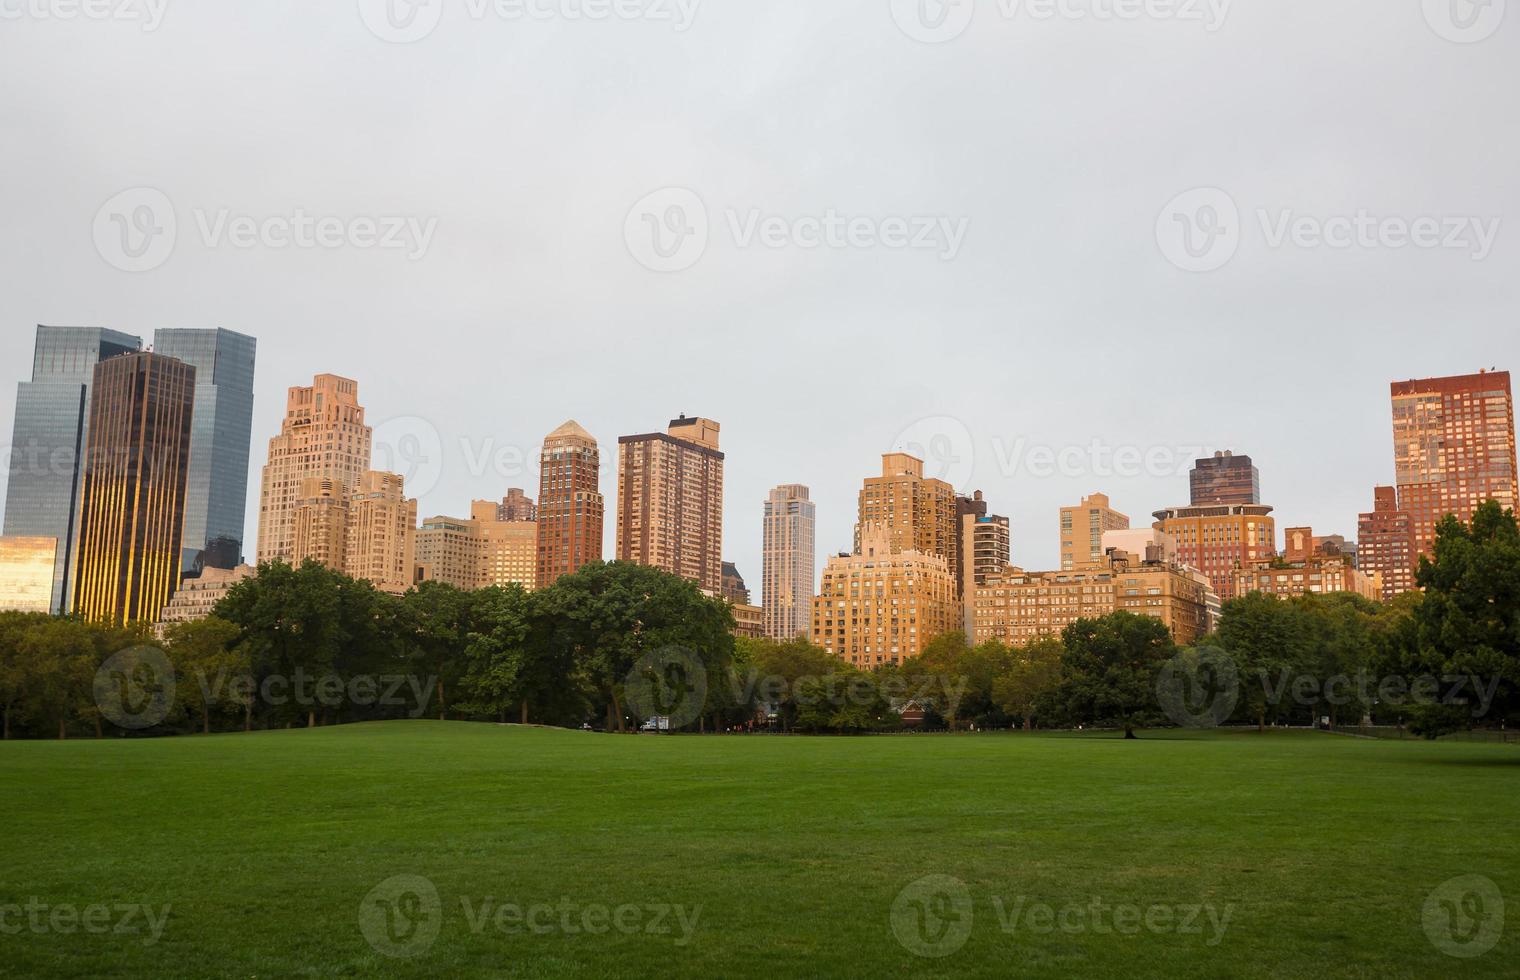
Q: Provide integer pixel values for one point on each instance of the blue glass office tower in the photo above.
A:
(47, 445)
(216, 492)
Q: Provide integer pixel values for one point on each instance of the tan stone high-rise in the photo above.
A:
(508, 543)
(670, 501)
(789, 529)
(1454, 448)
(323, 436)
(885, 604)
(382, 527)
(451, 551)
(1082, 530)
(570, 506)
(916, 513)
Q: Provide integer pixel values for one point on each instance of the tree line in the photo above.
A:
(615, 644)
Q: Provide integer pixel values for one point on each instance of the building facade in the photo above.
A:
(670, 501)
(570, 505)
(509, 542)
(452, 551)
(916, 513)
(322, 437)
(1225, 478)
(46, 471)
(883, 605)
(1454, 448)
(1313, 574)
(1082, 530)
(1220, 539)
(790, 527)
(516, 506)
(1018, 607)
(197, 597)
(27, 567)
(1385, 544)
(381, 544)
(983, 550)
(132, 509)
(216, 494)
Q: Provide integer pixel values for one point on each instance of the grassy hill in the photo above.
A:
(278, 854)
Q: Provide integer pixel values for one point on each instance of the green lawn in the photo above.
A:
(789, 852)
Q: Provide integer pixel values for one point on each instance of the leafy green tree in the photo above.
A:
(1272, 643)
(1109, 667)
(438, 621)
(1032, 675)
(504, 666)
(15, 669)
(62, 657)
(210, 666)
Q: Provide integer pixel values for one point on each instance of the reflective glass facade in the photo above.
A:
(26, 574)
(217, 488)
(47, 444)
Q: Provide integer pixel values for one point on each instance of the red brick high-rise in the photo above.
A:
(1454, 448)
(1385, 543)
(569, 503)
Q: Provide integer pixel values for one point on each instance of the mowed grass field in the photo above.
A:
(785, 855)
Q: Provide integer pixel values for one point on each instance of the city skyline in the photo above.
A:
(1034, 540)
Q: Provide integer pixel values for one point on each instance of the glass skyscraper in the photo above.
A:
(47, 444)
(52, 430)
(217, 490)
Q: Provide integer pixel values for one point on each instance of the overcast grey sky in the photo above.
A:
(1038, 159)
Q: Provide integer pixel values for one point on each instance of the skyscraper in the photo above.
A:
(132, 509)
(787, 573)
(1225, 478)
(216, 495)
(569, 503)
(49, 439)
(1082, 530)
(670, 501)
(982, 549)
(916, 513)
(1454, 448)
(381, 539)
(884, 604)
(1220, 539)
(1385, 543)
(322, 437)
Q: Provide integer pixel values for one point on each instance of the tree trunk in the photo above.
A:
(617, 706)
(1028, 722)
(525, 711)
(248, 717)
(311, 719)
(63, 731)
(99, 733)
(205, 720)
(1261, 720)
(1129, 729)
(443, 703)
(7, 723)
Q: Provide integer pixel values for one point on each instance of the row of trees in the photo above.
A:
(616, 643)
